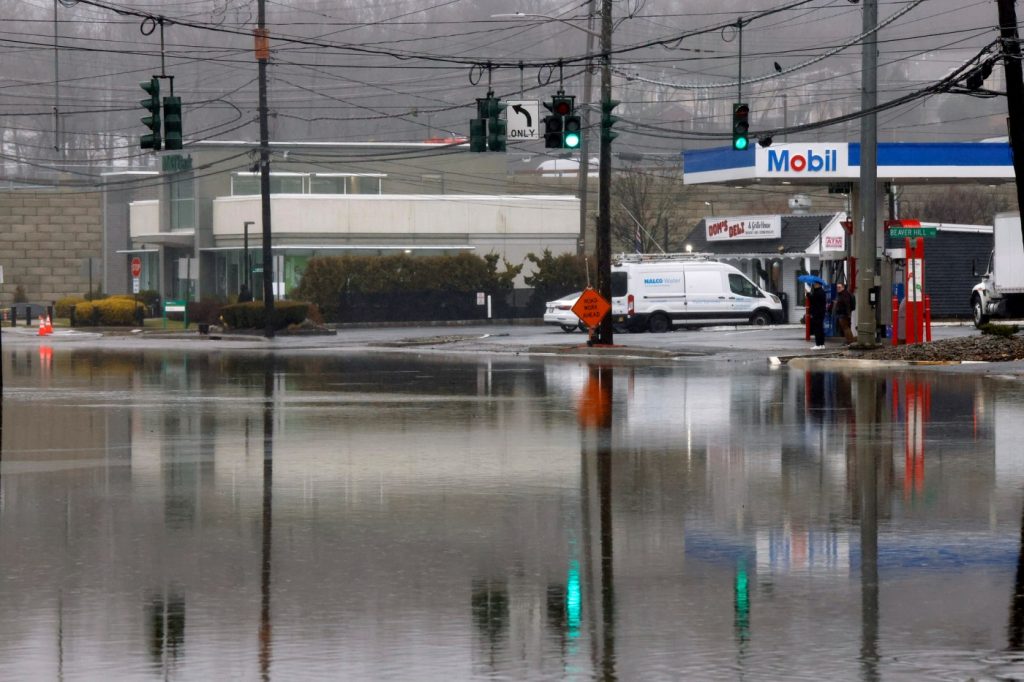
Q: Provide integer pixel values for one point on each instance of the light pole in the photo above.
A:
(603, 240)
(711, 205)
(245, 249)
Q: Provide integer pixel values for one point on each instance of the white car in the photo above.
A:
(560, 312)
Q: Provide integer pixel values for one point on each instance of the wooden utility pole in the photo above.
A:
(604, 179)
(262, 57)
(1014, 92)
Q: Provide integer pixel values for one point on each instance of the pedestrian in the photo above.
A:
(244, 295)
(817, 312)
(843, 309)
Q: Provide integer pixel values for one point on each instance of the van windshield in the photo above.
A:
(620, 284)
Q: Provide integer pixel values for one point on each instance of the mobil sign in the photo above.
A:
(803, 161)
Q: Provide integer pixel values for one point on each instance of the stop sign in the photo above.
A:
(136, 266)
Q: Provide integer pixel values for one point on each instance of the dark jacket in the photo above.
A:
(817, 302)
(843, 305)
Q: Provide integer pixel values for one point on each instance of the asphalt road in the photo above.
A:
(736, 343)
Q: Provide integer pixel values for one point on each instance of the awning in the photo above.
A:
(352, 247)
(179, 238)
(131, 251)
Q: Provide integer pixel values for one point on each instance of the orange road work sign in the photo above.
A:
(591, 308)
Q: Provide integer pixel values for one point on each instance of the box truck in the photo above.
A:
(655, 293)
(1001, 290)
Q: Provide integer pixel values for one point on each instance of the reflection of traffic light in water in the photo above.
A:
(741, 602)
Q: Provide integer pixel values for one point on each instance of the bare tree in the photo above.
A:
(646, 209)
(958, 205)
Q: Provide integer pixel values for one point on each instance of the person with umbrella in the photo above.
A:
(816, 309)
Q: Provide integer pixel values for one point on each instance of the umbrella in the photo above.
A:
(811, 279)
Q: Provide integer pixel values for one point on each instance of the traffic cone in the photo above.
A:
(49, 325)
(42, 327)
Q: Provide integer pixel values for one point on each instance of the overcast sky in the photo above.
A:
(348, 70)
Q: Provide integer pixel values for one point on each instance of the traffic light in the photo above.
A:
(562, 127)
(572, 136)
(496, 139)
(553, 129)
(172, 123)
(608, 120)
(740, 126)
(151, 140)
(487, 130)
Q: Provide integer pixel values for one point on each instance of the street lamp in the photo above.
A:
(711, 205)
(603, 248)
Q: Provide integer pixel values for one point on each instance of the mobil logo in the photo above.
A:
(811, 160)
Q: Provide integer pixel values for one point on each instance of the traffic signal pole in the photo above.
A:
(262, 55)
(604, 179)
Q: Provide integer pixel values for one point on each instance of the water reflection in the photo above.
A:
(437, 518)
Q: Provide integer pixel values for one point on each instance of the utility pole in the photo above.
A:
(604, 202)
(866, 230)
(262, 56)
(1014, 92)
(583, 169)
(58, 143)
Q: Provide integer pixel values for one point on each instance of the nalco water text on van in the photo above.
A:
(655, 293)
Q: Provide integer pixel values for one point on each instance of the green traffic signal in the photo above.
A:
(571, 138)
(740, 126)
(151, 140)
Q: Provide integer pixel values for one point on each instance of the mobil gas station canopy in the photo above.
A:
(906, 162)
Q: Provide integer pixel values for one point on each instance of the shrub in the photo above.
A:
(19, 294)
(249, 315)
(204, 312)
(1003, 330)
(109, 312)
(327, 278)
(555, 276)
(64, 305)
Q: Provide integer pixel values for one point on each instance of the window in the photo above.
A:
(620, 284)
(183, 202)
(243, 184)
(741, 286)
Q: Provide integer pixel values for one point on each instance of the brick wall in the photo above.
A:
(46, 239)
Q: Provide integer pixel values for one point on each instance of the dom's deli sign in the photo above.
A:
(744, 227)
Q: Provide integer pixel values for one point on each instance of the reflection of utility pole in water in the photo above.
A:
(595, 413)
(1016, 629)
(268, 488)
(867, 458)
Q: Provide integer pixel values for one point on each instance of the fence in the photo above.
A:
(435, 306)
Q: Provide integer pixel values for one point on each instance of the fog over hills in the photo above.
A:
(409, 70)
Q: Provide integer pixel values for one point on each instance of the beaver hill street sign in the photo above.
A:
(898, 232)
(591, 308)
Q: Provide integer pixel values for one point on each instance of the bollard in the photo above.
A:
(807, 318)
(14, 316)
(895, 321)
(28, 316)
(928, 318)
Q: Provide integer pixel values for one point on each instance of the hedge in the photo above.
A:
(250, 315)
(64, 305)
(327, 278)
(109, 312)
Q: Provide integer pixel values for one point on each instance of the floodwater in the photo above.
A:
(415, 517)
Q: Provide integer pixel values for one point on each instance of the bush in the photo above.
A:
(207, 312)
(328, 278)
(109, 312)
(64, 305)
(1003, 330)
(555, 276)
(249, 315)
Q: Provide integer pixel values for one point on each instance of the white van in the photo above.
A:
(654, 293)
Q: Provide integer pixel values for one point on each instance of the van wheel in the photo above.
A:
(978, 311)
(760, 319)
(659, 324)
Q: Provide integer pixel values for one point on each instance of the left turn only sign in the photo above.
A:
(522, 120)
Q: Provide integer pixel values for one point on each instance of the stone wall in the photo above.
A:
(46, 240)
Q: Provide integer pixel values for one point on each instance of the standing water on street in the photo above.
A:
(313, 516)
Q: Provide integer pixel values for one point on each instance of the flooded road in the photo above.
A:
(299, 516)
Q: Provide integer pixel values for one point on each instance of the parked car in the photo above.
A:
(560, 312)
